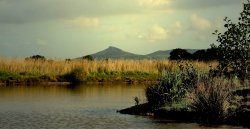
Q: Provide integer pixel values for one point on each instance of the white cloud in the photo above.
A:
(157, 33)
(199, 23)
(152, 3)
(177, 27)
(85, 21)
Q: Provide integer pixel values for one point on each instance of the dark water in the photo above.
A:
(76, 107)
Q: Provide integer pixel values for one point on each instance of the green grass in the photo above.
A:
(132, 76)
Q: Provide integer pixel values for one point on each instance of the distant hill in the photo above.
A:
(117, 53)
(159, 54)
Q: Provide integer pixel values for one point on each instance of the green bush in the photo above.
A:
(76, 75)
(167, 91)
(189, 75)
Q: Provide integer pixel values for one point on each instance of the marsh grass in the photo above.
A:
(212, 99)
(60, 70)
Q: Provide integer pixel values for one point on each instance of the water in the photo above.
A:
(76, 107)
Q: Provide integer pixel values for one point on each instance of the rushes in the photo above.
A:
(211, 99)
(57, 68)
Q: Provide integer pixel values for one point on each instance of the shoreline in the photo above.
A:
(184, 115)
(47, 82)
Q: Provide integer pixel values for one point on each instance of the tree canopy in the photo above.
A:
(234, 45)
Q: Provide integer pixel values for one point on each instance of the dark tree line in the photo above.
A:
(200, 55)
(36, 57)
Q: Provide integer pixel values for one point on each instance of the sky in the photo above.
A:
(73, 28)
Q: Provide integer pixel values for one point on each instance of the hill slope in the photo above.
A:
(116, 53)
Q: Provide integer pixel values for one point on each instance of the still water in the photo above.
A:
(75, 107)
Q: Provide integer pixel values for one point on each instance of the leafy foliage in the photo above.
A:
(189, 75)
(173, 86)
(235, 46)
(168, 90)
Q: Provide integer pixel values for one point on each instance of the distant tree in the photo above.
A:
(235, 45)
(179, 54)
(212, 54)
(88, 57)
(199, 55)
(36, 57)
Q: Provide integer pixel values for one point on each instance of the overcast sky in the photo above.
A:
(73, 28)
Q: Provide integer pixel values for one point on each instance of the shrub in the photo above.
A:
(211, 99)
(189, 75)
(76, 75)
(168, 90)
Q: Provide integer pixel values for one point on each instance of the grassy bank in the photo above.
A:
(196, 96)
(130, 71)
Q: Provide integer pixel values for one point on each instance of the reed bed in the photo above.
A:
(55, 68)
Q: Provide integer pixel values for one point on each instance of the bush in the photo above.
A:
(76, 75)
(211, 99)
(189, 75)
(167, 91)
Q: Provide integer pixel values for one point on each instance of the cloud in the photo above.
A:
(199, 23)
(16, 11)
(177, 27)
(201, 4)
(23, 11)
(152, 3)
(85, 21)
(157, 33)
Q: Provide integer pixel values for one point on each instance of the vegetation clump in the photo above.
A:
(76, 75)
(172, 87)
(209, 95)
(211, 100)
(88, 57)
(234, 46)
(36, 58)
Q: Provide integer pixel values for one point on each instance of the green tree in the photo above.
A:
(235, 45)
(199, 55)
(179, 54)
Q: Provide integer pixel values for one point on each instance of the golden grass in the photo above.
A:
(61, 67)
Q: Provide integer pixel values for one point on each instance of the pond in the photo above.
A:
(91, 106)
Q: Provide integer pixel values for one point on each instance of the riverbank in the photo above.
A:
(128, 71)
(240, 116)
(185, 115)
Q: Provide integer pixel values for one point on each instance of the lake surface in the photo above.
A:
(75, 107)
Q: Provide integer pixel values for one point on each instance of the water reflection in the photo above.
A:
(82, 106)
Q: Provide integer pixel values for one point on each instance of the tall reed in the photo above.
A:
(55, 68)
